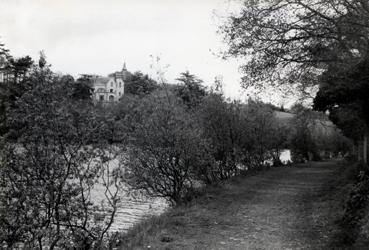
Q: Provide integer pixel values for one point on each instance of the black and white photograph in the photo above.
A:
(194, 125)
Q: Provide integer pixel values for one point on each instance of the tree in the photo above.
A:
(82, 88)
(16, 69)
(346, 89)
(313, 136)
(265, 138)
(167, 147)
(305, 44)
(222, 126)
(302, 144)
(140, 84)
(190, 89)
(12, 86)
(345, 94)
(127, 112)
(51, 169)
(4, 55)
(295, 40)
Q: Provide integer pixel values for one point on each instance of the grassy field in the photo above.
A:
(282, 208)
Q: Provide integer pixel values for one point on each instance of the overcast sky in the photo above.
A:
(97, 36)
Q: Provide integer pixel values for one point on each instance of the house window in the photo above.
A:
(111, 98)
(111, 90)
(101, 98)
(120, 84)
(120, 94)
(111, 84)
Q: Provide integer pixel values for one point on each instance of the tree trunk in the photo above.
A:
(354, 153)
(359, 150)
(365, 149)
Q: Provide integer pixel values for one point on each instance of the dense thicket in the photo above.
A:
(167, 147)
(54, 158)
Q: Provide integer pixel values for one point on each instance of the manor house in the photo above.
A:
(111, 87)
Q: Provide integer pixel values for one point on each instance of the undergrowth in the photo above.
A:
(355, 209)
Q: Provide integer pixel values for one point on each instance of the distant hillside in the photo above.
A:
(284, 116)
(320, 124)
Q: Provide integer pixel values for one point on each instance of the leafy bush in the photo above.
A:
(167, 148)
(355, 208)
(221, 128)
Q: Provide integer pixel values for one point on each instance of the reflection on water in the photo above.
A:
(285, 156)
(133, 206)
(132, 211)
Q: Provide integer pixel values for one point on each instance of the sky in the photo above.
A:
(98, 36)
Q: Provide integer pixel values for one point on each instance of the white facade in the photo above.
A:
(110, 88)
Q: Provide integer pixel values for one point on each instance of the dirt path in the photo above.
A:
(283, 208)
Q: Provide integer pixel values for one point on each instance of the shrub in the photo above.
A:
(355, 208)
(167, 148)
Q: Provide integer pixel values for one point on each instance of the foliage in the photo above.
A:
(4, 53)
(267, 136)
(345, 94)
(303, 44)
(190, 89)
(17, 68)
(173, 144)
(50, 171)
(127, 112)
(295, 40)
(314, 136)
(82, 89)
(12, 86)
(221, 123)
(139, 84)
(355, 210)
(240, 135)
(167, 146)
(302, 143)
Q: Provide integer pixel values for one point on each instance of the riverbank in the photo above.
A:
(282, 208)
